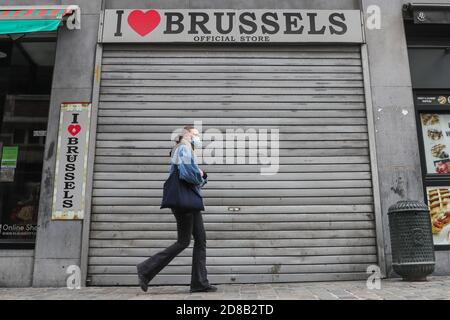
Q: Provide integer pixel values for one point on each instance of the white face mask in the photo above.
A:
(197, 142)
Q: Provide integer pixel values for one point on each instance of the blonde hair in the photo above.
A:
(186, 130)
(179, 139)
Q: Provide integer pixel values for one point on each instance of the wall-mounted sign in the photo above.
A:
(436, 142)
(438, 202)
(436, 16)
(71, 162)
(235, 26)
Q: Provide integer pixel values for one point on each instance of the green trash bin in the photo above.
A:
(412, 245)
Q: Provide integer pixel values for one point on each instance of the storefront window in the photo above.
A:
(429, 58)
(435, 129)
(26, 68)
(434, 132)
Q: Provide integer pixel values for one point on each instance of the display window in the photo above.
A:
(433, 120)
(26, 69)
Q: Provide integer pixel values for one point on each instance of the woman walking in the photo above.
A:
(189, 221)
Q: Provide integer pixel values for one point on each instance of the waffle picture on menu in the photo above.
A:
(434, 134)
(437, 149)
(438, 201)
(430, 119)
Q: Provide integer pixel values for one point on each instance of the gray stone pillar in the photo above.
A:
(58, 243)
(393, 106)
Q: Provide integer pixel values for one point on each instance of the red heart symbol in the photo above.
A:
(74, 129)
(144, 22)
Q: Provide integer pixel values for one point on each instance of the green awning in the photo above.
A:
(26, 26)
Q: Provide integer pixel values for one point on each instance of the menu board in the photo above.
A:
(438, 202)
(436, 142)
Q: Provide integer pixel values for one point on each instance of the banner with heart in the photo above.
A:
(71, 161)
(137, 25)
(144, 23)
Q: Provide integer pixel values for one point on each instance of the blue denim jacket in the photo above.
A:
(189, 170)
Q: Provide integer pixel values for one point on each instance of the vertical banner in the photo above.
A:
(71, 162)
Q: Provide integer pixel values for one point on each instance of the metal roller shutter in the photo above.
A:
(314, 220)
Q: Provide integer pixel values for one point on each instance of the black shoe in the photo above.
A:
(207, 289)
(143, 282)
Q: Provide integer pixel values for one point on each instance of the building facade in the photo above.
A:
(355, 92)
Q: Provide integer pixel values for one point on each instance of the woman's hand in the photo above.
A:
(203, 173)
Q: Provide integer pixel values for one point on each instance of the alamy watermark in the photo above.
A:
(239, 146)
(73, 21)
(373, 18)
(74, 279)
(374, 280)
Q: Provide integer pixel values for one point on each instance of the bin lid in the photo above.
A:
(408, 205)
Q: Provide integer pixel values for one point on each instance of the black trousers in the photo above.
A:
(188, 223)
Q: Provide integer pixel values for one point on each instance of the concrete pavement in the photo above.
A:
(437, 288)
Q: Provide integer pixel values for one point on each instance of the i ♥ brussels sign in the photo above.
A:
(71, 161)
(222, 26)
